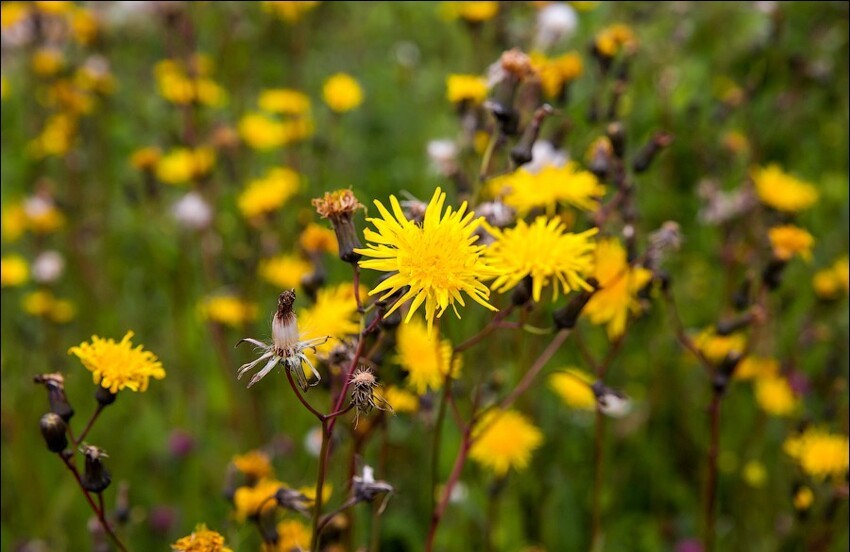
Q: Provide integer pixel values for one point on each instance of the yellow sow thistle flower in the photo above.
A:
(14, 271)
(782, 191)
(342, 93)
(284, 271)
(262, 132)
(400, 400)
(437, 260)
(717, 347)
(43, 303)
(254, 464)
(316, 238)
(117, 366)
(47, 61)
(292, 535)
(251, 501)
(830, 282)
(569, 185)
(472, 12)
(619, 285)
(201, 540)
(819, 453)
(789, 240)
(611, 40)
(775, 396)
(755, 367)
(469, 88)
(289, 11)
(544, 251)
(269, 193)
(182, 165)
(285, 101)
(145, 158)
(504, 439)
(333, 313)
(228, 310)
(574, 388)
(556, 72)
(425, 360)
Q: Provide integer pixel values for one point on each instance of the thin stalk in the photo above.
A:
(320, 485)
(89, 425)
(98, 511)
(711, 479)
(535, 369)
(307, 405)
(437, 515)
(598, 454)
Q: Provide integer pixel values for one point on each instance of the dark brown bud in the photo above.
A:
(521, 153)
(646, 155)
(53, 430)
(104, 396)
(731, 325)
(55, 385)
(725, 371)
(339, 207)
(772, 275)
(96, 478)
(522, 292)
(617, 134)
(567, 317)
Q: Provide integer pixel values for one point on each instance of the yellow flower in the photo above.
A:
(54, 7)
(284, 271)
(775, 396)
(342, 93)
(401, 400)
(736, 142)
(262, 132)
(181, 85)
(819, 453)
(201, 540)
(437, 260)
(782, 191)
(14, 271)
(284, 100)
(267, 194)
(619, 284)
(473, 12)
(754, 474)
(611, 40)
(182, 165)
(310, 492)
(753, 367)
(504, 439)
(289, 11)
(42, 215)
(84, 25)
(292, 535)
(573, 386)
(146, 158)
(544, 251)
(717, 347)
(525, 191)
(333, 313)
(47, 61)
(470, 88)
(12, 13)
(789, 240)
(318, 238)
(117, 366)
(556, 72)
(831, 282)
(43, 303)
(13, 221)
(56, 138)
(803, 498)
(228, 310)
(255, 464)
(249, 501)
(425, 360)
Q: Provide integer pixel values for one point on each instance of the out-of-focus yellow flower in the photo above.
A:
(84, 25)
(310, 492)
(789, 240)
(255, 464)
(754, 474)
(342, 93)
(556, 72)
(54, 7)
(504, 439)
(819, 453)
(95, 77)
(472, 12)
(782, 191)
(543, 251)
(182, 85)
(262, 132)
(775, 396)
(251, 501)
(736, 142)
(46, 62)
(228, 310)
(146, 158)
(14, 271)
(42, 215)
(318, 238)
(803, 498)
(619, 283)
(574, 388)
(4, 87)
(755, 367)
(13, 221)
(585, 6)
(269, 193)
(717, 347)
(570, 185)
(182, 165)
(466, 88)
(56, 137)
(612, 40)
(289, 11)
(12, 13)
(201, 540)
(830, 282)
(284, 271)
(401, 400)
(284, 100)
(117, 366)
(333, 313)
(424, 358)
(480, 141)
(436, 260)
(42, 303)
(292, 535)
(69, 99)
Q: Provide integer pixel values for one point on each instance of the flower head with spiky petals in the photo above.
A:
(435, 261)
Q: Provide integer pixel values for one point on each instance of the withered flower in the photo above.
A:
(339, 208)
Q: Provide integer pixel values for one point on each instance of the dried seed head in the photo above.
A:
(284, 324)
(517, 63)
(363, 385)
(53, 430)
(55, 385)
(96, 478)
(365, 488)
(611, 402)
(339, 208)
(666, 239)
(291, 499)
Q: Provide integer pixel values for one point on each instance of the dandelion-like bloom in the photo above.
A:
(43, 303)
(466, 88)
(549, 187)
(830, 282)
(556, 72)
(285, 101)
(775, 396)
(228, 310)
(574, 388)
(255, 464)
(262, 132)
(819, 453)
(181, 165)
(436, 261)
(544, 251)
(782, 191)
(14, 271)
(201, 540)
(292, 535)
(789, 240)
(400, 400)
(284, 271)
(619, 283)
(504, 439)
(334, 313)
(472, 12)
(752, 367)
(425, 360)
(611, 40)
(315, 238)
(342, 93)
(117, 366)
(717, 347)
(286, 347)
(269, 193)
(251, 501)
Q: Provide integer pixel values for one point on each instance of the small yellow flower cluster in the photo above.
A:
(466, 88)
(342, 92)
(833, 281)
(789, 240)
(228, 310)
(285, 117)
(775, 396)
(117, 366)
(183, 165)
(781, 191)
(42, 303)
(201, 540)
(425, 358)
(556, 73)
(574, 388)
(184, 83)
(615, 39)
(250, 501)
(81, 23)
(269, 193)
(289, 11)
(254, 464)
(717, 347)
(37, 214)
(551, 186)
(819, 453)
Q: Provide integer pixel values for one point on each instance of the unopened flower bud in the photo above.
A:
(339, 208)
(522, 152)
(724, 372)
(363, 397)
(104, 396)
(646, 155)
(521, 294)
(55, 385)
(772, 274)
(610, 402)
(599, 157)
(567, 317)
(53, 430)
(96, 478)
(617, 134)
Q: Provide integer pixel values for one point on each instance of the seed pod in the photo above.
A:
(55, 385)
(96, 478)
(567, 317)
(53, 430)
